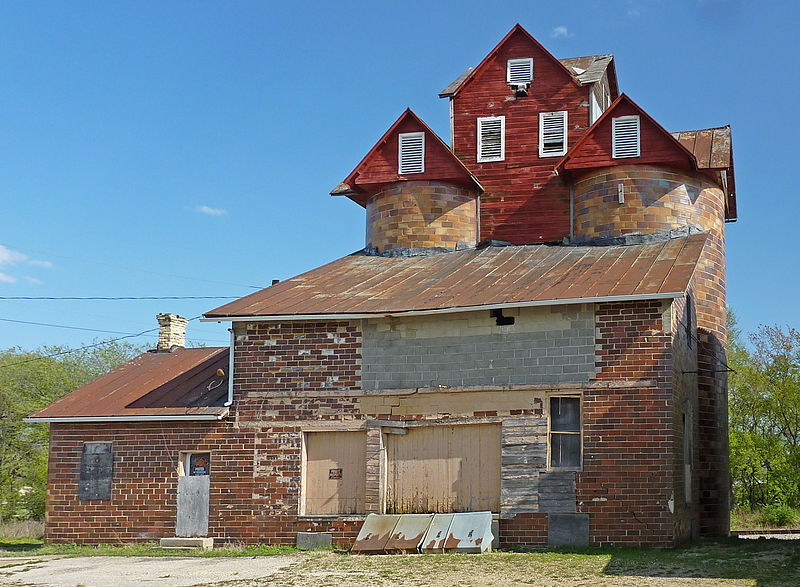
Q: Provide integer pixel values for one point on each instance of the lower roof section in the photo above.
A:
(361, 285)
(182, 384)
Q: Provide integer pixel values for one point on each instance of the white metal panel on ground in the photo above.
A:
(408, 533)
(375, 533)
(434, 539)
(442, 469)
(470, 532)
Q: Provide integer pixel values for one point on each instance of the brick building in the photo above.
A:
(535, 327)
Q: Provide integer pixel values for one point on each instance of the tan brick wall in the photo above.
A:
(422, 214)
(661, 199)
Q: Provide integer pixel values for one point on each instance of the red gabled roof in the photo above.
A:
(593, 150)
(379, 166)
(516, 29)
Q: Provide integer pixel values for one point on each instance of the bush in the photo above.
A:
(779, 515)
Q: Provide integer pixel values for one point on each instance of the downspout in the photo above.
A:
(230, 370)
(571, 210)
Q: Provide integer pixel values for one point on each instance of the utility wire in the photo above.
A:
(118, 297)
(88, 346)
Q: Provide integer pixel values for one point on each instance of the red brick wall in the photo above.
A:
(627, 477)
(523, 530)
(301, 355)
(525, 202)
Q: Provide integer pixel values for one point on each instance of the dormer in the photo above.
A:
(417, 193)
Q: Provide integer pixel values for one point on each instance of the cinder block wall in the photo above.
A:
(544, 345)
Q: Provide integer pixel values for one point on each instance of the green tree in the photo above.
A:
(30, 381)
(764, 404)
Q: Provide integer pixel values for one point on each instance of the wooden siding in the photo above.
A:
(328, 456)
(444, 469)
(657, 145)
(525, 202)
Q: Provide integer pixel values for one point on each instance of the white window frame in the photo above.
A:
(410, 135)
(563, 150)
(624, 120)
(595, 108)
(528, 61)
(550, 432)
(502, 157)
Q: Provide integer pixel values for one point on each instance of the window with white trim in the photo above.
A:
(566, 444)
(520, 71)
(410, 152)
(625, 139)
(552, 133)
(491, 139)
(595, 108)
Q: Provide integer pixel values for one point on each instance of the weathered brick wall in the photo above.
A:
(627, 480)
(298, 355)
(544, 345)
(422, 214)
(659, 199)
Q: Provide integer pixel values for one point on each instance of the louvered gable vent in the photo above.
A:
(491, 138)
(625, 138)
(520, 71)
(552, 134)
(411, 152)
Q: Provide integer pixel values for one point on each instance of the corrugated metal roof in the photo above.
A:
(591, 69)
(713, 149)
(513, 275)
(711, 146)
(183, 382)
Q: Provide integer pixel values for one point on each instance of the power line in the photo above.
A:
(88, 346)
(62, 326)
(95, 330)
(117, 297)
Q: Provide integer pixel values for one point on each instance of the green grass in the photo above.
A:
(744, 519)
(35, 547)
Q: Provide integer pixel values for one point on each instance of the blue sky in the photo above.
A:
(171, 148)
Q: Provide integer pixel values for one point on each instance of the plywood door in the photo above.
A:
(336, 469)
(444, 469)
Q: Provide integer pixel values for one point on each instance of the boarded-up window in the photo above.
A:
(335, 473)
(565, 432)
(444, 469)
(97, 471)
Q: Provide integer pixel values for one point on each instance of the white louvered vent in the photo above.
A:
(625, 137)
(411, 152)
(491, 139)
(552, 133)
(520, 71)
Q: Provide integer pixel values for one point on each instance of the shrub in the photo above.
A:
(779, 515)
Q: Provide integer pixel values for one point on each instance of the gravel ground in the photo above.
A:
(114, 571)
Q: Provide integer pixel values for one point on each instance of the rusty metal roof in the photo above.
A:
(491, 276)
(713, 149)
(590, 69)
(183, 383)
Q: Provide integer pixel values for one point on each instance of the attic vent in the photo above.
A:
(520, 71)
(491, 138)
(411, 152)
(625, 137)
(552, 133)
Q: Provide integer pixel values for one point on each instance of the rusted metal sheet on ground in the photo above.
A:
(363, 284)
(470, 532)
(375, 533)
(435, 537)
(408, 533)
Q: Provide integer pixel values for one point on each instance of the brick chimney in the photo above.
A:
(171, 332)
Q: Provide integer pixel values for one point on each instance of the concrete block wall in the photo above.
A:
(544, 345)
